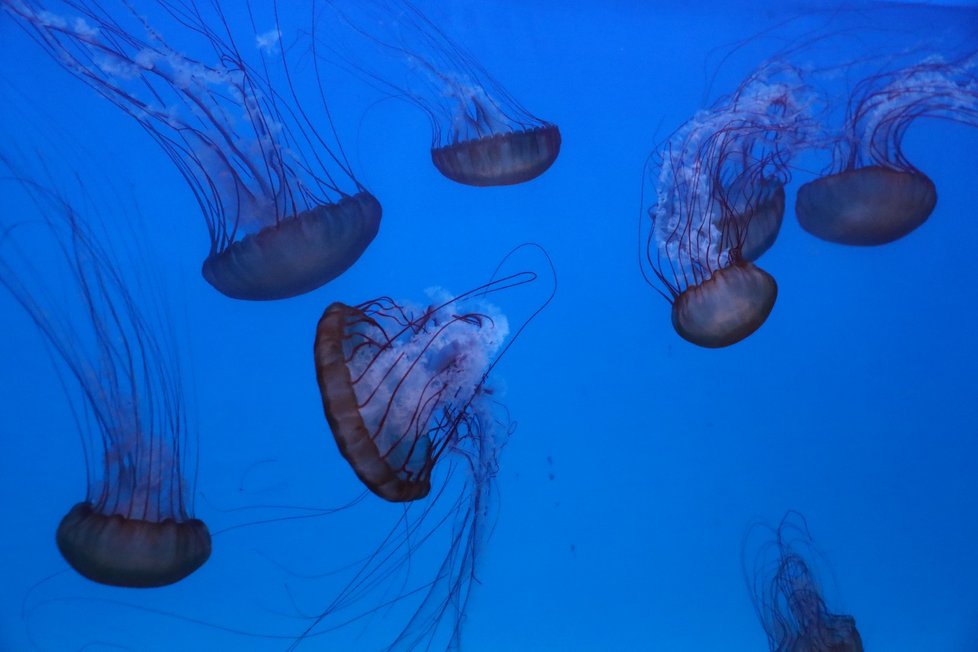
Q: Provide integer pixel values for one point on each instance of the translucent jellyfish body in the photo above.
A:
(788, 598)
(873, 195)
(725, 308)
(481, 135)
(131, 550)
(397, 391)
(719, 203)
(499, 159)
(758, 212)
(406, 394)
(283, 210)
(299, 253)
(135, 527)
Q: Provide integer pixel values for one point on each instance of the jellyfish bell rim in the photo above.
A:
(482, 162)
(289, 258)
(822, 209)
(702, 315)
(131, 553)
(342, 412)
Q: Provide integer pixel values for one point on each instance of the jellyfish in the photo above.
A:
(135, 527)
(399, 391)
(719, 204)
(284, 212)
(481, 135)
(788, 599)
(404, 387)
(757, 210)
(873, 195)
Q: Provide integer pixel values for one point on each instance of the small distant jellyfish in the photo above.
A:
(788, 598)
(719, 204)
(283, 210)
(403, 388)
(481, 135)
(873, 194)
(135, 528)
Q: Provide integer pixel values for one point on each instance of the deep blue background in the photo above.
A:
(639, 460)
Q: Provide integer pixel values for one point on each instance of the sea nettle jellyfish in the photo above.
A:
(719, 203)
(404, 388)
(788, 599)
(284, 212)
(135, 527)
(481, 135)
(873, 195)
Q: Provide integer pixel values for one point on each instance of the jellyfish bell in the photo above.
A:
(398, 391)
(396, 470)
(757, 214)
(867, 206)
(500, 159)
(129, 552)
(872, 195)
(284, 212)
(298, 254)
(727, 307)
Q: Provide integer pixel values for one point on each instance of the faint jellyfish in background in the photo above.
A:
(403, 388)
(788, 598)
(283, 209)
(873, 194)
(135, 527)
(718, 184)
(481, 135)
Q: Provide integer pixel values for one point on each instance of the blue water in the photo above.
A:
(639, 461)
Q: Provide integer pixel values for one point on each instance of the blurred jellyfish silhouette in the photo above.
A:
(284, 212)
(404, 387)
(481, 135)
(135, 527)
(718, 187)
(788, 598)
(873, 194)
